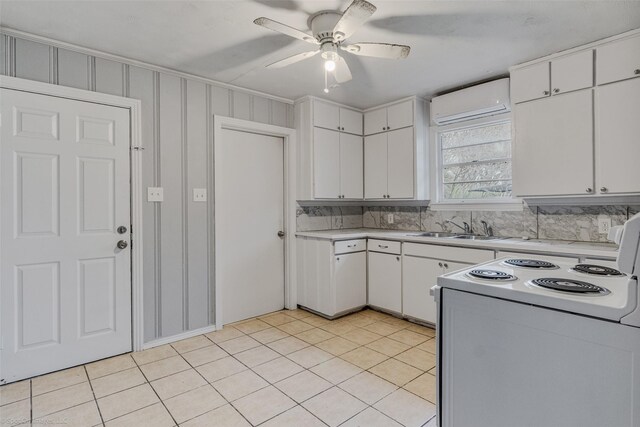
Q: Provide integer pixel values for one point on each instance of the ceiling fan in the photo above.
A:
(330, 30)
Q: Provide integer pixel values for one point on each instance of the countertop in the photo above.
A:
(560, 247)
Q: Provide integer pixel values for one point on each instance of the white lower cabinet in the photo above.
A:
(385, 281)
(332, 277)
(421, 266)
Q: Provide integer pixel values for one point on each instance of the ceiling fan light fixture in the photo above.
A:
(329, 65)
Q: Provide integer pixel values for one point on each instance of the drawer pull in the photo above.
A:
(351, 246)
(383, 246)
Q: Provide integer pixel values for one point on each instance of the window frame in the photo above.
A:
(495, 203)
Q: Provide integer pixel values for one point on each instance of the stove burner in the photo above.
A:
(491, 275)
(596, 270)
(530, 263)
(570, 285)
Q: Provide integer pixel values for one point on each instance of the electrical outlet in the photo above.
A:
(199, 194)
(604, 224)
(155, 194)
(390, 218)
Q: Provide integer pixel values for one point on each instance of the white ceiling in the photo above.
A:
(454, 43)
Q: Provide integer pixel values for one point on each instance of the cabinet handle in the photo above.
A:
(342, 128)
(556, 90)
(397, 258)
(338, 127)
(338, 259)
(384, 128)
(546, 92)
(383, 246)
(589, 190)
(446, 265)
(440, 264)
(636, 71)
(351, 246)
(603, 189)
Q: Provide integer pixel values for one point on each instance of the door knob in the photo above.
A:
(280, 233)
(122, 229)
(122, 244)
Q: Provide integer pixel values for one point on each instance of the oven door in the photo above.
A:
(505, 364)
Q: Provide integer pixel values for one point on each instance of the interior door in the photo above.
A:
(351, 185)
(249, 213)
(65, 284)
(400, 163)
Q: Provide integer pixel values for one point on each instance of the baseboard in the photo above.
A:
(178, 337)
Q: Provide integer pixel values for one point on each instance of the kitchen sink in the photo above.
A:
(435, 234)
(475, 237)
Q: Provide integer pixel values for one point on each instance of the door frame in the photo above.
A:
(289, 138)
(136, 193)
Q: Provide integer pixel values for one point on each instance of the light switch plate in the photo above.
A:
(604, 224)
(155, 194)
(390, 218)
(199, 194)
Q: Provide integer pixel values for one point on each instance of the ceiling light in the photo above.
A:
(330, 65)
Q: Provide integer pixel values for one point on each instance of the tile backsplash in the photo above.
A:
(578, 223)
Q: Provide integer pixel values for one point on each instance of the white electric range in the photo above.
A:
(534, 342)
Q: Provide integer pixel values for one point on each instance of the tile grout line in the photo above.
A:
(154, 391)
(93, 393)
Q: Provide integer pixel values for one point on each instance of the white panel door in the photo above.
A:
(375, 166)
(617, 133)
(351, 166)
(385, 281)
(249, 211)
(326, 164)
(65, 285)
(400, 163)
(419, 275)
(400, 115)
(553, 149)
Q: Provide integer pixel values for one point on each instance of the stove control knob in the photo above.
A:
(603, 189)
(589, 190)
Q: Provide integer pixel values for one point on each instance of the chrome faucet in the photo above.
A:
(488, 231)
(466, 228)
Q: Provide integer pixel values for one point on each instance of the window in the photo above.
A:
(475, 162)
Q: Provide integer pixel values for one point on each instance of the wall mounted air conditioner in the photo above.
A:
(483, 100)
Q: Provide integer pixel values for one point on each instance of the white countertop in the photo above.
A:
(586, 249)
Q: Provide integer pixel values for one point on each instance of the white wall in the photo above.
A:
(177, 116)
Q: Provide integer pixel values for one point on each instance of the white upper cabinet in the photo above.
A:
(375, 171)
(351, 165)
(330, 116)
(572, 72)
(530, 82)
(326, 164)
(350, 121)
(618, 60)
(617, 137)
(560, 75)
(395, 116)
(553, 147)
(400, 164)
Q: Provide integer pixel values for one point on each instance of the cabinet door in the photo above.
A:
(400, 163)
(350, 121)
(326, 115)
(375, 121)
(351, 281)
(385, 281)
(419, 275)
(572, 72)
(400, 115)
(375, 166)
(351, 166)
(618, 60)
(618, 137)
(530, 82)
(326, 163)
(553, 147)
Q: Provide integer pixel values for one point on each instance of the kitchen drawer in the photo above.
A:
(450, 253)
(348, 246)
(385, 246)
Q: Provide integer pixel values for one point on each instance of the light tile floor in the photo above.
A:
(289, 368)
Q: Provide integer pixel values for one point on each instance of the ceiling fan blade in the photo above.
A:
(342, 72)
(356, 14)
(378, 50)
(293, 59)
(285, 29)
